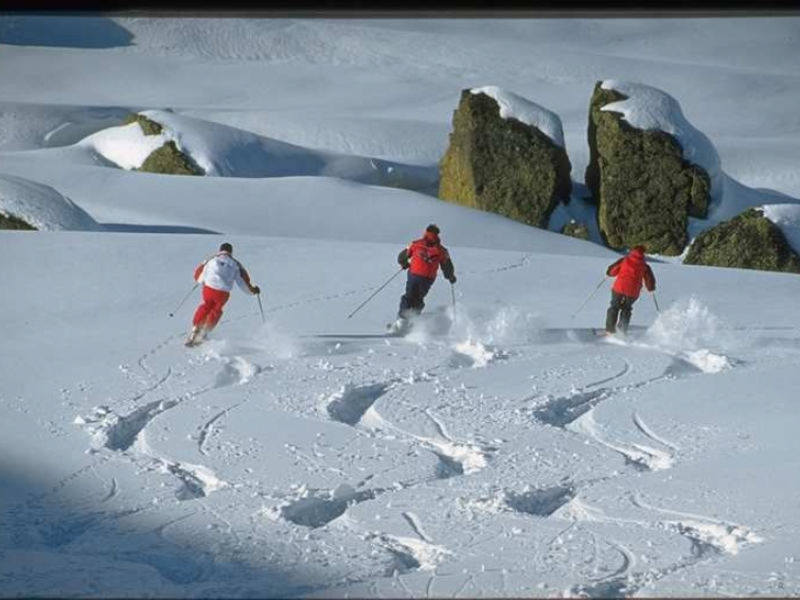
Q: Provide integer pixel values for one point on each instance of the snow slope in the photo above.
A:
(502, 449)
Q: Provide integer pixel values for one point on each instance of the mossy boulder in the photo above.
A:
(576, 230)
(167, 159)
(12, 222)
(502, 165)
(149, 127)
(748, 241)
(170, 160)
(644, 188)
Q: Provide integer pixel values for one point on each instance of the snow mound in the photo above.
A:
(223, 151)
(787, 217)
(516, 107)
(42, 207)
(126, 146)
(687, 328)
(650, 108)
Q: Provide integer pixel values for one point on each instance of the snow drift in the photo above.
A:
(41, 206)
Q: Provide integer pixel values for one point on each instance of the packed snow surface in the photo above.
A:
(513, 106)
(502, 448)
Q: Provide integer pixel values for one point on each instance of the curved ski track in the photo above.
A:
(354, 406)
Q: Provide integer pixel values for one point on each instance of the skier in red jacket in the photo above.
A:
(629, 271)
(422, 258)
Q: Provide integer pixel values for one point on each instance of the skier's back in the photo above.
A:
(422, 257)
(218, 274)
(630, 272)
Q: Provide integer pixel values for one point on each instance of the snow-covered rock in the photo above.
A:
(514, 106)
(506, 155)
(649, 108)
(750, 240)
(649, 168)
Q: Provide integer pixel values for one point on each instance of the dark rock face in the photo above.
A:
(168, 159)
(502, 165)
(12, 222)
(748, 241)
(149, 127)
(644, 189)
(576, 230)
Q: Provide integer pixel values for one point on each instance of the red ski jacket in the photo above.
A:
(630, 271)
(425, 256)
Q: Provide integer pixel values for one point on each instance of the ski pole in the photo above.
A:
(589, 296)
(655, 301)
(261, 308)
(374, 293)
(172, 314)
(453, 294)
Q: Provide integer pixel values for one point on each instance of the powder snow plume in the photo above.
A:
(689, 329)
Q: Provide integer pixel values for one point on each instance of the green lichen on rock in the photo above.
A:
(576, 230)
(748, 241)
(170, 160)
(644, 188)
(8, 221)
(502, 165)
(149, 127)
(167, 159)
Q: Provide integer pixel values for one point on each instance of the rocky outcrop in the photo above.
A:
(149, 127)
(168, 158)
(644, 188)
(12, 222)
(501, 164)
(748, 241)
(576, 230)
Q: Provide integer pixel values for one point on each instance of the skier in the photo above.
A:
(218, 275)
(629, 271)
(422, 258)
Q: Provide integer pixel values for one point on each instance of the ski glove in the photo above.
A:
(452, 279)
(404, 264)
(256, 290)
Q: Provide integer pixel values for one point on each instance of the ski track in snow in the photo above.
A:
(409, 554)
(637, 455)
(126, 433)
(354, 405)
(709, 538)
(207, 429)
(641, 426)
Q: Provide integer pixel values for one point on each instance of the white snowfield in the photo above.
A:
(501, 449)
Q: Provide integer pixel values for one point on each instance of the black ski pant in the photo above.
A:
(621, 307)
(412, 301)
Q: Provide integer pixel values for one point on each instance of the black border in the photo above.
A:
(409, 9)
